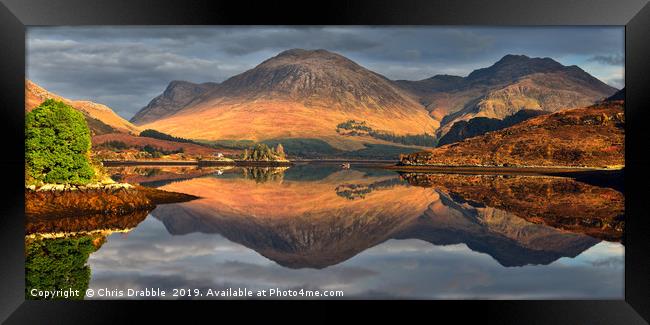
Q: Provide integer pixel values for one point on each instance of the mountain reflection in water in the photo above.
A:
(357, 227)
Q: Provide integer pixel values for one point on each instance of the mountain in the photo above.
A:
(101, 119)
(480, 125)
(298, 94)
(582, 137)
(304, 96)
(513, 83)
(176, 96)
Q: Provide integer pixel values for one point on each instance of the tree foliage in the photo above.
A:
(358, 128)
(150, 133)
(57, 144)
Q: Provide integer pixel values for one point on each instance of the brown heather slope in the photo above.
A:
(101, 119)
(513, 83)
(299, 94)
(584, 137)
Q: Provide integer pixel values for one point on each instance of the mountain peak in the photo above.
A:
(509, 58)
(445, 77)
(315, 76)
(174, 83)
(314, 59)
(304, 52)
(512, 66)
(176, 95)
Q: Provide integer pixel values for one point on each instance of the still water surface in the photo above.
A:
(368, 232)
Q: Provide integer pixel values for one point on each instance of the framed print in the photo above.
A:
(430, 156)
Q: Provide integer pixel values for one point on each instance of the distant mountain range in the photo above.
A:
(307, 93)
(302, 98)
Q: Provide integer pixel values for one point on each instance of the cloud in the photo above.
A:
(125, 67)
(615, 59)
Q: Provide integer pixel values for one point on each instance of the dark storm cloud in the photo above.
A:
(125, 67)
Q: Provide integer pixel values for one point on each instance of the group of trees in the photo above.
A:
(57, 145)
(424, 140)
(149, 133)
(357, 128)
(262, 152)
(354, 125)
(115, 145)
(159, 152)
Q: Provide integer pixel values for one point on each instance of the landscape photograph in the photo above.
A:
(313, 162)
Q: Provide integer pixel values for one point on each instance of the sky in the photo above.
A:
(125, 67)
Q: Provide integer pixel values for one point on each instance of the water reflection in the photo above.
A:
(59, 265)
(372, 232)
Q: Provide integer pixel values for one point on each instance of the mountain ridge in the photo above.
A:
(513, 83)
(175, 97)
(101, 119)
(302, 93)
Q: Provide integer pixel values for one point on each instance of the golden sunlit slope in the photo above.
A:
(101, 119)
(298, 93)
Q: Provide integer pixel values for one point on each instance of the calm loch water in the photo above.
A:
(364, 233)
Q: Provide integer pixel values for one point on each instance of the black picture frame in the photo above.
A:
(633, 14)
